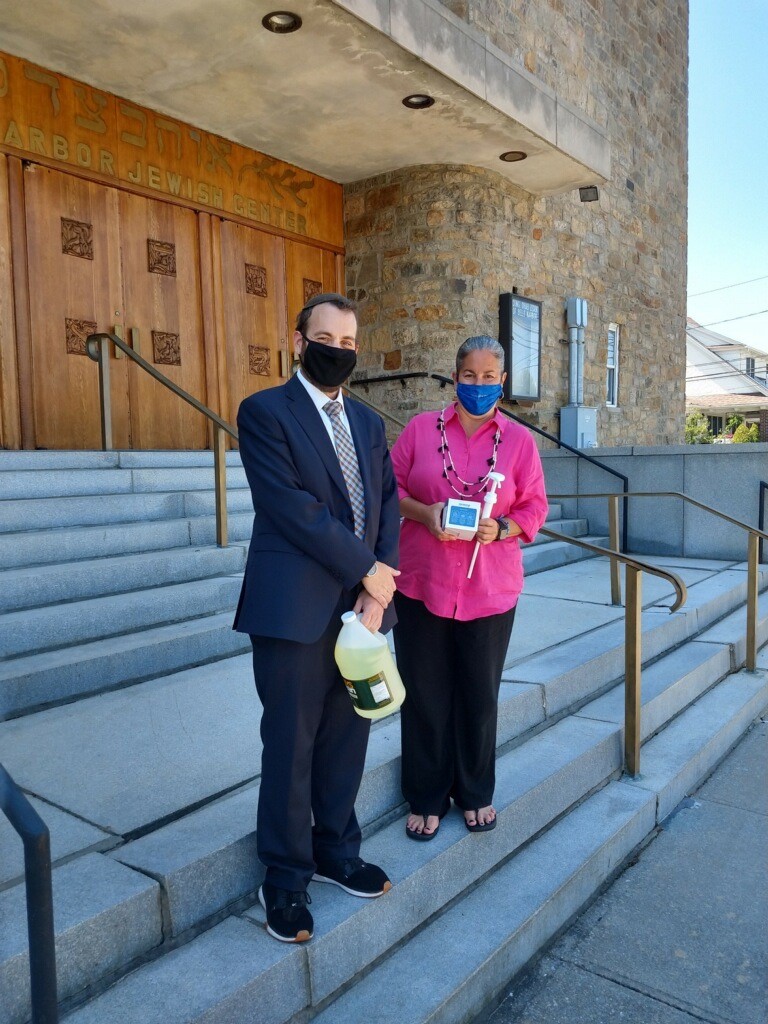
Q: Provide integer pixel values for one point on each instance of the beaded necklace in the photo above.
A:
(481, 483)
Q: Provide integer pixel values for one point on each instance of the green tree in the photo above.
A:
(697, 428)
(733, 422)
(745, 435)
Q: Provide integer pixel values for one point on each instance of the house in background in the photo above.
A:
(724, 378)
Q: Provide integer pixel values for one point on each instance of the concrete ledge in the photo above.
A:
(39, 679)
(106, 915)
(674, 762)
(516, 910)
(233, 973)
(58, 625)
(668, 686)
(535, 783)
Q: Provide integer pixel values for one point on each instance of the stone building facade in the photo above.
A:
(429, 248)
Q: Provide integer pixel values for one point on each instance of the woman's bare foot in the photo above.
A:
(416, 823)
(484, 816)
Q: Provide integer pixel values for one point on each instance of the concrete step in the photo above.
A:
(549, 554)
(217, 842)
(506, 893)
(105, 916)
(36, 586)
(24, 515)
(205, 860)
(565, 865)
(41, 629)
(573, 669)
(53, 483)
(480, 942)
(36, 680)
(45, 547)
(567, 527)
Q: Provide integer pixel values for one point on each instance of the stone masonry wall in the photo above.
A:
(430, 248)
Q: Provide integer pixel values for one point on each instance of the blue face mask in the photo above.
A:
(478, 399)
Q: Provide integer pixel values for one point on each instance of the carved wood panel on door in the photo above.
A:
(253, 305)
(73, 241)
(161, 286)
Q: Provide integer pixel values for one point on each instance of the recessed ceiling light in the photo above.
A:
(281, 22)
(513, 155)
(418, 101)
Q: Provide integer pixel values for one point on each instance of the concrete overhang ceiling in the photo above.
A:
(328, 97)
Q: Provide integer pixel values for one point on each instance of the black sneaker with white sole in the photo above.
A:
(288, 919)
(354, 876)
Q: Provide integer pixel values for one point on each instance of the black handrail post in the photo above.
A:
(39, 892)
(761, 520)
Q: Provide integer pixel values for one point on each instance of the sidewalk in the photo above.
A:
(682, 935)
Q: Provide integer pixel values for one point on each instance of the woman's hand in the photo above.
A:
(433, 521)
(427, 515)
(487, 531)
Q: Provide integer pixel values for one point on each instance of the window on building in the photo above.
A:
(749, 366)
(612, 363)
(715, 425)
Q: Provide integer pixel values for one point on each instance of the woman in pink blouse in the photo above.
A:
(453, 632)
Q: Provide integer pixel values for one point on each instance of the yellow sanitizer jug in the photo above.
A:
(368, 669)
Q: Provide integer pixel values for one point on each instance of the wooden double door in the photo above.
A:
(205, 300)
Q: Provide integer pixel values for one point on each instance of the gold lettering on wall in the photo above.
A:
(45, 78)
(52, 117)
(135, 115)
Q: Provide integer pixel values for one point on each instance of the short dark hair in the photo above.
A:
(332, 298)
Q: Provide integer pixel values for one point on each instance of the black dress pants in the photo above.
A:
(452, 673)
(313, 757)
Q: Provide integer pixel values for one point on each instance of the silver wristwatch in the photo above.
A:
(504, 528)
(373, 570)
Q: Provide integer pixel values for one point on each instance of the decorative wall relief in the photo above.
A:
(311, 289)
(77, 332)
(258, 361)
(161, 257)
(77, 238)
(166, 348)
(256, 280)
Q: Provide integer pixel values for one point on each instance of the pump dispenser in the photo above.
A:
(368, 669)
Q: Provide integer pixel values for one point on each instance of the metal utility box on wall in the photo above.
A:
(578, 426)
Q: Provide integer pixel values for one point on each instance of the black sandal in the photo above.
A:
(423, 837)
(481, 826)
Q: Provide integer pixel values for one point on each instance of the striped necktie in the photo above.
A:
(350, 469)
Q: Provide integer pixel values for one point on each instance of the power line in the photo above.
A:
(730, 320)
(725, 287)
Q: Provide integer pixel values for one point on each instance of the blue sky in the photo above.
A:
(728, 166)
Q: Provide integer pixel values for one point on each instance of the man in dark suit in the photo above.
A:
(325, 539)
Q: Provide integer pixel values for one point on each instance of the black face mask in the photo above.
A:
(327, 366)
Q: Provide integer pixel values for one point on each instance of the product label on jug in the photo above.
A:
(369, 694)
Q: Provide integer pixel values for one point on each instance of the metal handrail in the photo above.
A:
(97, 347)
(443, 380)
(39, 891)
(633, 661)
(761, 516)
(754, 536)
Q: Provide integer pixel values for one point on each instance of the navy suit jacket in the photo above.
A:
(303, 550)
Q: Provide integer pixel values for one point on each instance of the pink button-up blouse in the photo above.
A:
(435, 572)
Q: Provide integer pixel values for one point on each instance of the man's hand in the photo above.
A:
(487, 531)
(381, 585)
(372, 611)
